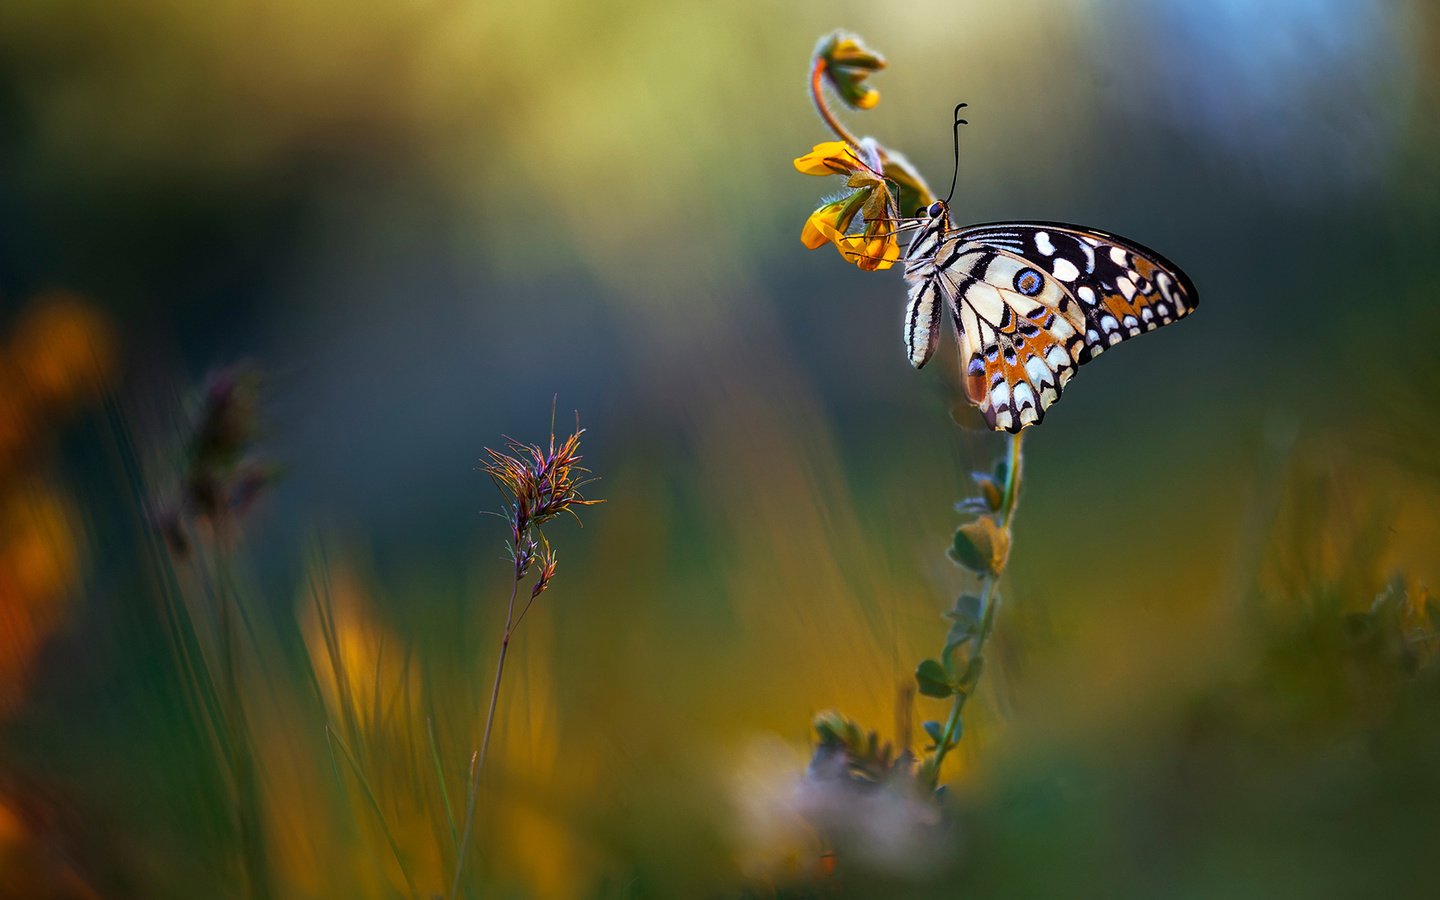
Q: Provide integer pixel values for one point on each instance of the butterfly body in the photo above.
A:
(1030, 302)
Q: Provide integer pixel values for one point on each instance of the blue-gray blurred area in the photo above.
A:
(427, 221)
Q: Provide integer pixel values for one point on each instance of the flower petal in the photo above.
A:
(830, 158)
(829, 223)
(871, 254)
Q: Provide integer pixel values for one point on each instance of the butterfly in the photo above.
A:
(1030, 303)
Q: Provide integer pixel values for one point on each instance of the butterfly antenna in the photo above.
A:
(955, 173)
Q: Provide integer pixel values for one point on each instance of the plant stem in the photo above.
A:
(989, 600)
(817, 73)
(474, 789)
(440, 777)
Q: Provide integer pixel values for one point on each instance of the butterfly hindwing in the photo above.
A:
(1020, 335)
(1032, 301)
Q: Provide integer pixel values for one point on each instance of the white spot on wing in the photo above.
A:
(1117, 256)
(1043, 244)
(1039, 372)
(1024, 396)
(1065, 270)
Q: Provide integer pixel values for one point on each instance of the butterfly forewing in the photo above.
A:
(1031, 301)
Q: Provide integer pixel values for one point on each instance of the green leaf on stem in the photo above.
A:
(964, 622)
(981, 546)
(936, 732)
(932, 680)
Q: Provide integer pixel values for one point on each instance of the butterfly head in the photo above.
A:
(937, 210)
(931, 223)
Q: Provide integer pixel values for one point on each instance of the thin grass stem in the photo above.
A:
(484, 742)
(444, 790)
(375, 806)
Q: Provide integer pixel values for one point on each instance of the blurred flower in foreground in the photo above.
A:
(773, 840)
(858, 805)
(867, 801)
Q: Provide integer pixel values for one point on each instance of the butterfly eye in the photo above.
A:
(935, 209)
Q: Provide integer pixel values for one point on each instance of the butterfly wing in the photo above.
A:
(1032, 301)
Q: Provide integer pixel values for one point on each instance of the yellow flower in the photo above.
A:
(870, 196)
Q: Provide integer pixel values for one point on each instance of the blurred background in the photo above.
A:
(414, 223)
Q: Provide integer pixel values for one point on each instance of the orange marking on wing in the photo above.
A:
(1015, 372)
(977, 386)
(1119, 307)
